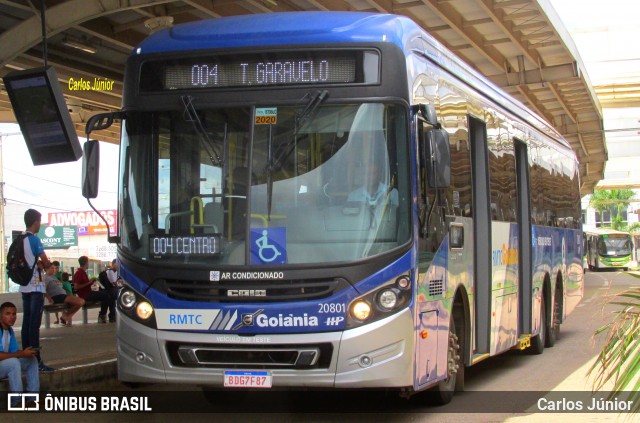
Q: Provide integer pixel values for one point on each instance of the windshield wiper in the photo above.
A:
(269, 173)
(300, 119)
(314, 101)
(191, 115)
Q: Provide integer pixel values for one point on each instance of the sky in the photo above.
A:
(50, 188)
(607, 36)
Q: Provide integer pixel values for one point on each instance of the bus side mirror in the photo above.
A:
(90, 169)
(439, 158)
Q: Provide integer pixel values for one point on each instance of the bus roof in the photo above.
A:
(300, 28)
(279, 29)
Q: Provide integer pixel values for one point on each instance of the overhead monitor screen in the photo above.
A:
(43, 116)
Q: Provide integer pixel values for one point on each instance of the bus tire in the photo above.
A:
(550, 336)
(444, 390)
(538, 341)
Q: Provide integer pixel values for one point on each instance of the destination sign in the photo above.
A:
(263, 70)
(182, 246)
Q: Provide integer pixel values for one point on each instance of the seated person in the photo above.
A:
(374, 191)
(57, 275)
(57, 295)
(377, 195)
(14, 361)
(82, 285)
(66, 284)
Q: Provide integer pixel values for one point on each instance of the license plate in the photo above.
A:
(244, 379)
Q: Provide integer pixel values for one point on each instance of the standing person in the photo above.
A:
(33, 293)
(82, 285)
(57, 295)
(14, 361)
(112, 273)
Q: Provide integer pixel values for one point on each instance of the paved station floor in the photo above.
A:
(84, 355)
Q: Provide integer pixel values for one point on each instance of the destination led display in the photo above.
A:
(304, 68)
(182, 246)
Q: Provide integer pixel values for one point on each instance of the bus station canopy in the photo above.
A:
(520, 45)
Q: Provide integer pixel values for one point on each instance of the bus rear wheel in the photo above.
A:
(538, 341)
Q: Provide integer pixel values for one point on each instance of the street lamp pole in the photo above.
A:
(4, 287)
(5, 281)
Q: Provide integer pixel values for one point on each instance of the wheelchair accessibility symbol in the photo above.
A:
(268, 246)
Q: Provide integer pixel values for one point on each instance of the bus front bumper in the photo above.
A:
(379, 354)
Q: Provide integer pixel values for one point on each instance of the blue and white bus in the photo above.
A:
(333, 200)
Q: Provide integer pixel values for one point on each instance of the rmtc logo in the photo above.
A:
(185, 319)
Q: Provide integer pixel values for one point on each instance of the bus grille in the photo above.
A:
(234, 356)
(250, 291)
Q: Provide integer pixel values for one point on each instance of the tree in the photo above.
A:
(619, 360)
(615, 201)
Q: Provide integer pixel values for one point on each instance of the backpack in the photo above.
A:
(18, 269)
(104, 280)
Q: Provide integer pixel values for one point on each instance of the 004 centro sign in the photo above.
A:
(58, 236)
(88, 222)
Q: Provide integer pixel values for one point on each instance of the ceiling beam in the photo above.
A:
(566, 72)
(204, 6)
(455, 20)
(329, 5)
(19, 6)
(60, 17)
(125, 40)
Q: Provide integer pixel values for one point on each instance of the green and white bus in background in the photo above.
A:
(607, 248)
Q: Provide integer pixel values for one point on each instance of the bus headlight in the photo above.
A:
(388, 299)
(361, 310)
(127, 299)
(144, 310)
(136, 307)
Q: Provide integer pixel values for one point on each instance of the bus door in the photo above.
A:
(524, 239)
(482, 237)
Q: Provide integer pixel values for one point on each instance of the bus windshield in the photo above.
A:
(612, 247)
(202, 185)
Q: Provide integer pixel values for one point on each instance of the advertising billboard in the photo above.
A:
(87, 222)
(58, 236)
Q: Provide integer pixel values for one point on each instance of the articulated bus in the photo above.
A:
(607, 249)
(333, 200)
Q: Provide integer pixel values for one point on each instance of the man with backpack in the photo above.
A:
(109, 278)
(82, 285)
(33, 292)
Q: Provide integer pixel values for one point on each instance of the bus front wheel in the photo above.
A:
(443, 392)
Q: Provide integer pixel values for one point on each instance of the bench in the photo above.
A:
(61, 308)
